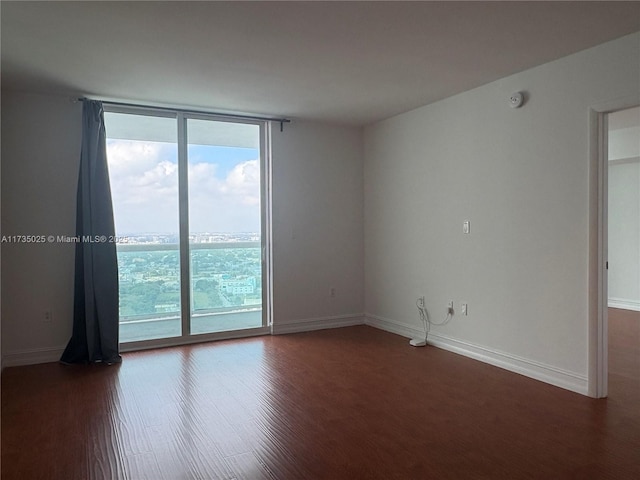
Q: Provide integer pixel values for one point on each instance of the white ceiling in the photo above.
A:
(343, 62)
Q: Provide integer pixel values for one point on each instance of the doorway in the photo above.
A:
(623, 250)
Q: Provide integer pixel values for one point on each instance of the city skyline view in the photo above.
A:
(194, 238)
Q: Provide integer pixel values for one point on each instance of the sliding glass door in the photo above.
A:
(225, 251)
(189, 206)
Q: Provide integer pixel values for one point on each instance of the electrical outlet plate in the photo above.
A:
(464, 308)
(421, 302)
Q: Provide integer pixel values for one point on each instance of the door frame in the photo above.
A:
(598, 348)
(181, 117)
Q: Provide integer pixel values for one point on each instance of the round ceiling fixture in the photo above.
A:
(516, 99)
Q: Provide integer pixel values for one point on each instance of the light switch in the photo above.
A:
(465, 226)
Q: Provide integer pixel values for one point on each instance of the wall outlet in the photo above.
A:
(47, 316)
(463, 307)
(332, 292)
(421, 302)
(450, 307)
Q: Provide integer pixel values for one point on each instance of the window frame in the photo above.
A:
(182, 117)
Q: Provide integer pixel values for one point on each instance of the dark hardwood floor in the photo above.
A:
(351, 403)
(624, 344)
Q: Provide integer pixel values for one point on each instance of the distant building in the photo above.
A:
(166, 307)
(237, 286)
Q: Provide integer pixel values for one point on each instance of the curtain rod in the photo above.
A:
(280, 120)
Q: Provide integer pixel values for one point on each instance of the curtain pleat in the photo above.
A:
(95, 336)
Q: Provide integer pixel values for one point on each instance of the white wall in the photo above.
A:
(0, 282)
(624, 209)
(624, 235)
(624, 143)
(521, 176)
(40, 159)
(624, 217)
(317, 224)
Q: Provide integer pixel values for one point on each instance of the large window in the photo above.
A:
(189, 205)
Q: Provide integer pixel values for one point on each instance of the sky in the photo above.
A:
(224, 187)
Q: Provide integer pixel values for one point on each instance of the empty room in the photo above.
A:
(320, 240)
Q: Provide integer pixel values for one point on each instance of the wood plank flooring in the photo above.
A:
(624, 343)
(350, 403)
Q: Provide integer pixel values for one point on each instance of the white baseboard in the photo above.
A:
(392, 326)
(47, 355)
(32, 357)
(529, 368)
(319, 323)
(536, 370)
(624, 303)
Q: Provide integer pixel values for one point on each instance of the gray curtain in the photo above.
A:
(95, 315)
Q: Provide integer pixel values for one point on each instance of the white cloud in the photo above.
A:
(244, 181)
(224, 204)
(144, 185)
